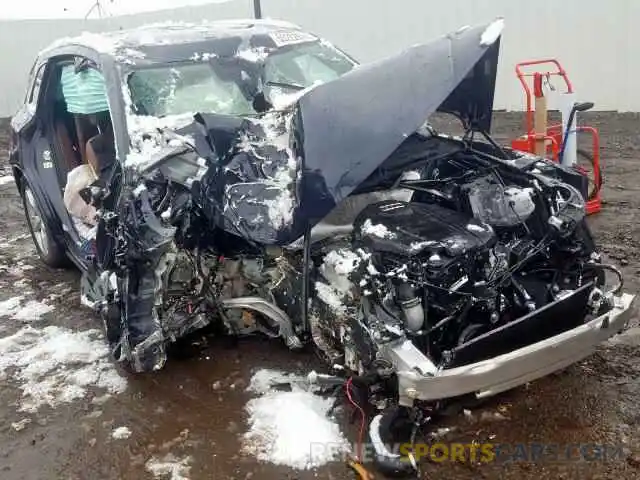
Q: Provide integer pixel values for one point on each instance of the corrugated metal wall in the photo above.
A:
(595, 39)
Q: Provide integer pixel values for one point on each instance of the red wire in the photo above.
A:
(362, 417)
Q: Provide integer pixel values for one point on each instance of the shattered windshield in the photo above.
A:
(229, 85)
(185, 88)
(303, 66)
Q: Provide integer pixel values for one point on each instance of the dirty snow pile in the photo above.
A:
(169, 467)
(290, 428)
(53, 365)
(6, 179)
(121, 433)
(25, 312)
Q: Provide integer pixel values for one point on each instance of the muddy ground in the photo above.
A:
(194, 408)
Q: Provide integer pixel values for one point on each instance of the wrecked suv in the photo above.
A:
(247, 176)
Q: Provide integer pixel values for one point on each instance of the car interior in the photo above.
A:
(83, 140)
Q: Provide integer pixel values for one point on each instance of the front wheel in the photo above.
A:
(50, 252)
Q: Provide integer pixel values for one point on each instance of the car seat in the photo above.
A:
(85, 131)
(101, 151)
(66, 139)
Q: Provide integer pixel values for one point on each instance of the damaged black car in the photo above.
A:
(252, 176)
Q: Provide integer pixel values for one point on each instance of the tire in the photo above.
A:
(49, 250)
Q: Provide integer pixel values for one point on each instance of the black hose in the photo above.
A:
(495, 144)
(615, 270)
(535, 251)
(566, 133)
(380, 429)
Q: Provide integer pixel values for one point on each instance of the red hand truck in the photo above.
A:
(549, 140)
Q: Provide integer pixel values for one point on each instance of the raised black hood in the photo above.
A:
(352, 125)
(345, 129)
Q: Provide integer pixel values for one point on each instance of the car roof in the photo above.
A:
(175, 41)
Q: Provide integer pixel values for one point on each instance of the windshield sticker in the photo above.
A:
(287, 37)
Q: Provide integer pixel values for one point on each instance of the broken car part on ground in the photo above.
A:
(259, 189)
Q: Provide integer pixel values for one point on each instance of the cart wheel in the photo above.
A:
(585, 166)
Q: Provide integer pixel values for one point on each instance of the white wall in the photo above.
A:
(594, 39)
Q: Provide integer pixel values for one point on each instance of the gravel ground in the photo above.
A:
(185, 421)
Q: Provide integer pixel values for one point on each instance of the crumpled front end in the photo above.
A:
(444, 276)
(420, 380)
(253, 191)
(149, 251)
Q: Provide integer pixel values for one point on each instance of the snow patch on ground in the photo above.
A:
(30, 311)
(6, 179)
(121, 433)
(21, 425)
(286, 428)
(56, 365)
(263, 380)
(9, 307)
(169, 467)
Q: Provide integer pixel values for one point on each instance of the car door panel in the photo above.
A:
(39, 161)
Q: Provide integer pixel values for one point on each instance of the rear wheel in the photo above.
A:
(50, 252)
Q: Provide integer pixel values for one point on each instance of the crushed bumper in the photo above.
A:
(504, 372)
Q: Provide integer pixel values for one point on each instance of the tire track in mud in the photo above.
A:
(188, 418)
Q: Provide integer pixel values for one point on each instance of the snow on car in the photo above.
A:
(245, 174)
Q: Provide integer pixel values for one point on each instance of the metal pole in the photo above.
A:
(257, 9)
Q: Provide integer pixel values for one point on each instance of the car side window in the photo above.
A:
(32, 96)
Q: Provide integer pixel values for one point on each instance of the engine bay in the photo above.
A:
(461, 244)
(469, 255)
